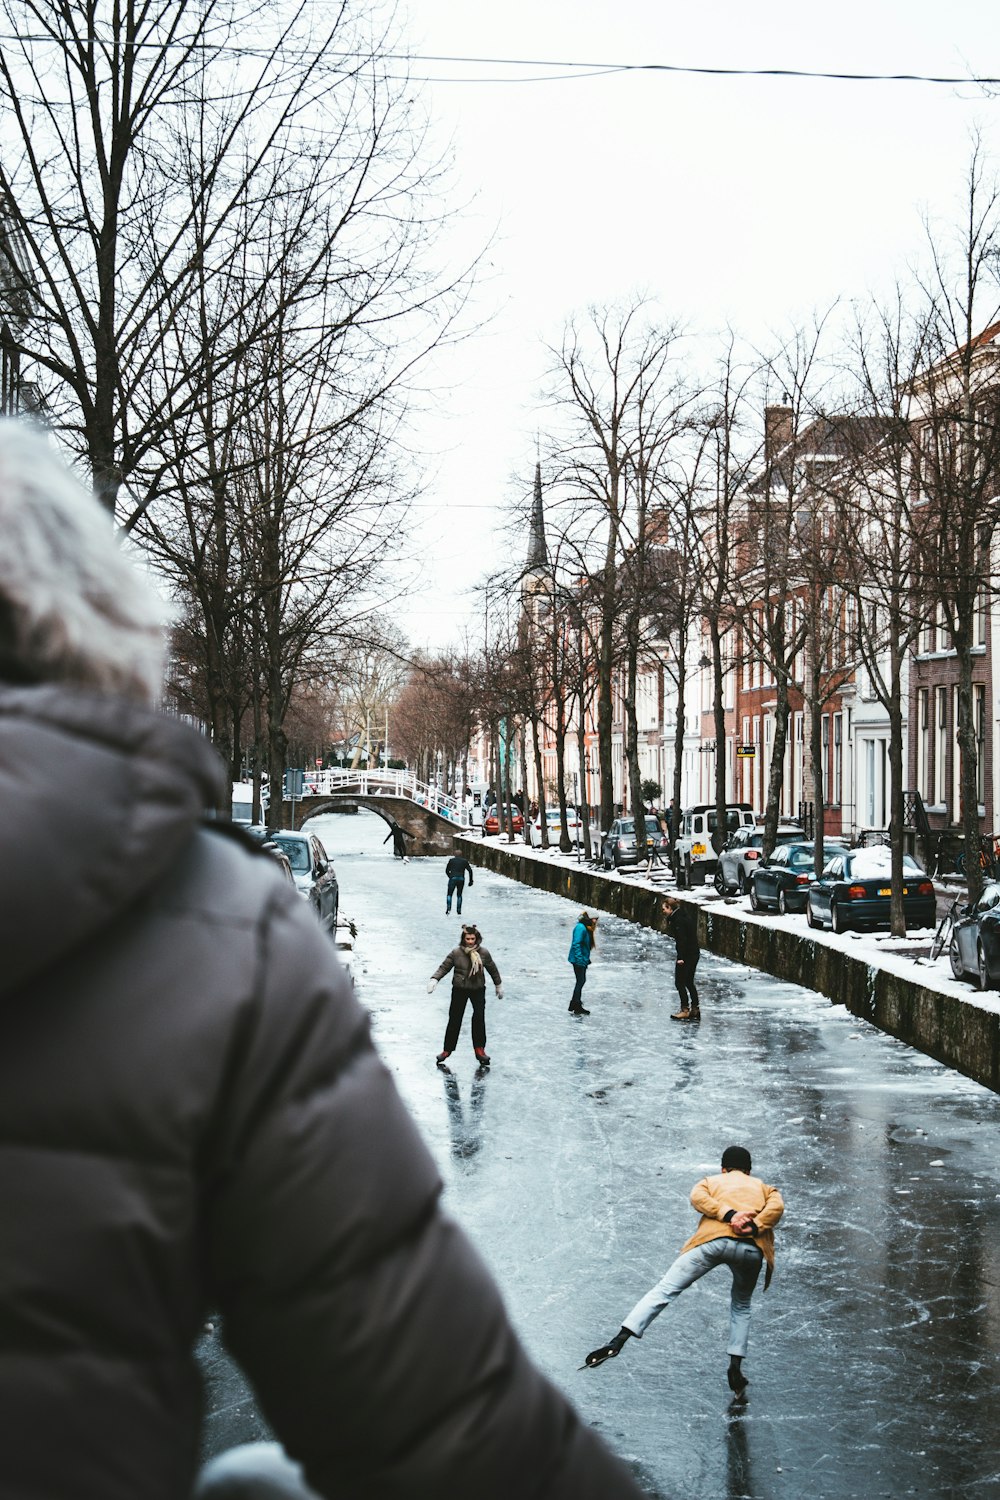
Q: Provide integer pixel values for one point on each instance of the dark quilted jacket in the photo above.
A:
(191, 1117)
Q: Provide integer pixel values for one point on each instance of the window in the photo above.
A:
(941, 747)
(979, 711)
(923, 759)
(838, 759)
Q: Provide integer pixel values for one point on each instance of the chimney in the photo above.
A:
(779, 428)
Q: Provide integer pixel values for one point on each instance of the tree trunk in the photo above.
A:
(968, 768)
(776, 770)
(721, 834)
(537, 749)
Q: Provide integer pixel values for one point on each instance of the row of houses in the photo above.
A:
(854, 722)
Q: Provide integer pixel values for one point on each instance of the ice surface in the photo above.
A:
(873, 1357)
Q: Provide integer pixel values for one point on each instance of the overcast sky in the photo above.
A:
(748, 201)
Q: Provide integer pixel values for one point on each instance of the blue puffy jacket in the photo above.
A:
(579, 948)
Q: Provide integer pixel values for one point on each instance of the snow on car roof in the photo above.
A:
(869, 864)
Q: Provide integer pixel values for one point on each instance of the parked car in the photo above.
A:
(694, 852)
(491, 823)
(279, 856)
(739, 857)
(854, 890)
(975, 940)
(620, 846)
(573, 827)
(783, 881)
(312, 871)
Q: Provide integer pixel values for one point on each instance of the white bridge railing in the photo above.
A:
(384, 784)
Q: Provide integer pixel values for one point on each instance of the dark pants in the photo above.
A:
(456, 1012)
(456, 885)
(580, 970)
(684, 980)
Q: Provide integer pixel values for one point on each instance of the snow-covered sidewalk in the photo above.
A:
(908, 958)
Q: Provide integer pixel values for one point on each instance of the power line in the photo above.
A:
(566, 70)
(591, 69)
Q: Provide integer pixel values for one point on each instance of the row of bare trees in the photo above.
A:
(223, 215)
(813, 510)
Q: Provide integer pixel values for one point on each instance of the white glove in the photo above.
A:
(499, 991)
(431, 986)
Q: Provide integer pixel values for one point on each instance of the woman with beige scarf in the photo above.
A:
(470, 962)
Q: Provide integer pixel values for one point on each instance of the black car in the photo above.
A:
(855, 890)
(312, 871)
(975, 941)
(783, 880)
(740, 854)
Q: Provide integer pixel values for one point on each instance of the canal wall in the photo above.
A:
(945, 1026)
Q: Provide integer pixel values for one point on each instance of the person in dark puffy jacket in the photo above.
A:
(193, 1116)
(469, 965)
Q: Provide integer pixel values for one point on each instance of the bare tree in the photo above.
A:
(604, 373)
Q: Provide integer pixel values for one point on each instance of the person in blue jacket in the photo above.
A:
(580, 949)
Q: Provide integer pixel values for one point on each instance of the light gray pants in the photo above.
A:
(254, 1471)
(743, 1258)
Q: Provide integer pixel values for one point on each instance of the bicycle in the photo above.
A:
(946, 926)
(989, 857)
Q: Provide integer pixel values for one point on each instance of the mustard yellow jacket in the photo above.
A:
(714, 1197)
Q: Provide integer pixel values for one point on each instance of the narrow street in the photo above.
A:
(873, 1357)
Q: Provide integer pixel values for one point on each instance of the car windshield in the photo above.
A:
(802, 857)
(297, 851)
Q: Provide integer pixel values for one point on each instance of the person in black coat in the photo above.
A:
(682, 924)
(456, 870)
(193, 1116)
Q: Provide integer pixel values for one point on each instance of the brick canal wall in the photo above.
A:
(945, 1026)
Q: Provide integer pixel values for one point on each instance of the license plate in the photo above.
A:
(886, 890)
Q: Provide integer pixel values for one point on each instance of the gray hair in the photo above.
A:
(72, 607)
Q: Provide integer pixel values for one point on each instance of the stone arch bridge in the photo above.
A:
(431, 818)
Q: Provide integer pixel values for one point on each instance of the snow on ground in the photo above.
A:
(906, 957)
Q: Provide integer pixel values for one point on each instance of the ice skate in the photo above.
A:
(481, 1057)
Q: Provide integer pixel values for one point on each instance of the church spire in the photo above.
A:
(538, 556)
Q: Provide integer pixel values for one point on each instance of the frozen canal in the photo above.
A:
(873, 1357)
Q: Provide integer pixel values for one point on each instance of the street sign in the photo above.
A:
(746, 752)
(293, 784)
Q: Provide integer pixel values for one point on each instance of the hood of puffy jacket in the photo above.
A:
(97, 796)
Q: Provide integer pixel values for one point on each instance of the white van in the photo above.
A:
(694, 854)
(243, 802)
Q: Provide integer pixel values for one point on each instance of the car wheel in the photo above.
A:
(983, 974)
(754, 898)
(720, 882)
(810, 919)
(838, 921)
(783, 903)
(741, 882)
(955, 957)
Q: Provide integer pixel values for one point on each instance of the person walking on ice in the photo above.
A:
(682, 924)
(469, 963)
(399, 836)
(736, 1229)
(455, 870)
(580, 949)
